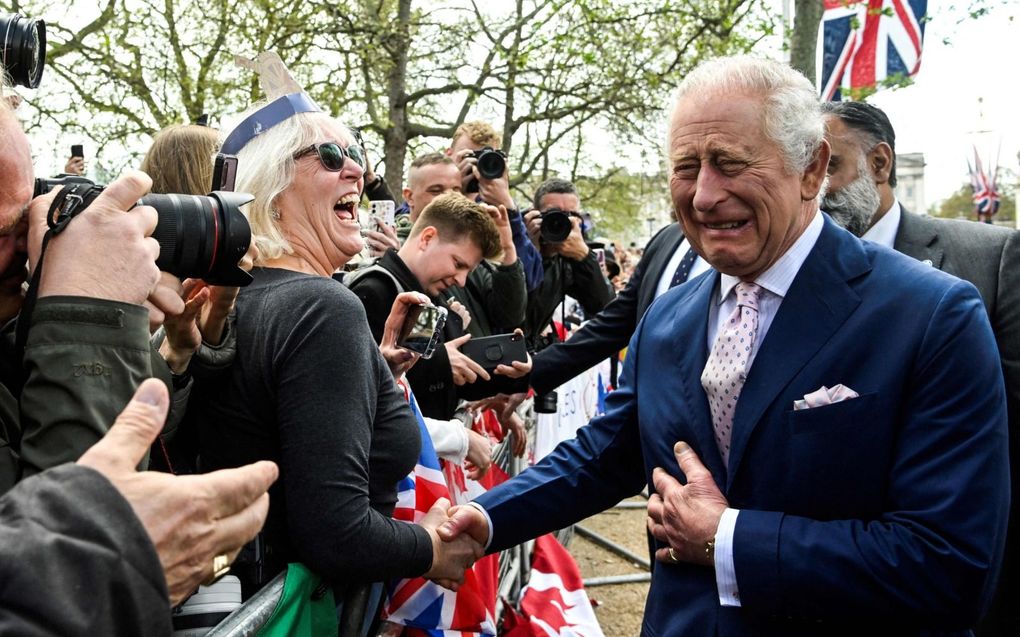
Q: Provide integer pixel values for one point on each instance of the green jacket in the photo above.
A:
(84, 359)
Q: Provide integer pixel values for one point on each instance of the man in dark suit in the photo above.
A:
(862, 174)
(822, 421)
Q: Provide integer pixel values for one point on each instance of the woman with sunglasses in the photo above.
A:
(309, 388)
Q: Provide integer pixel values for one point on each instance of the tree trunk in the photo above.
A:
(395, 133)
(804, 38)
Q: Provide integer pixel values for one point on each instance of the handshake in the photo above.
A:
(459, 535)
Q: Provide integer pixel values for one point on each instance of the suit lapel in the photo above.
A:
(816, 305)
(691, 324)
(919, 239)
(657, 264)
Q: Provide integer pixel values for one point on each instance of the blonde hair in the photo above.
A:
(479, 132)
(265, 168)
(180, 159)
(454, 217)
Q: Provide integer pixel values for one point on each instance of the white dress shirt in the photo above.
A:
(884, 232)
(699, 266)
(775, 282)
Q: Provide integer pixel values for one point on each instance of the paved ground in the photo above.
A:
(620, 607)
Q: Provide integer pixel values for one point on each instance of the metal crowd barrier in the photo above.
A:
(249, 617)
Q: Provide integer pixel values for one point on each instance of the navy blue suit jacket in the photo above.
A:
(884, 514)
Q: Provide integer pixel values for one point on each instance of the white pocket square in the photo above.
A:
(825, 396)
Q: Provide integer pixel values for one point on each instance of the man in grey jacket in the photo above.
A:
(862, 174)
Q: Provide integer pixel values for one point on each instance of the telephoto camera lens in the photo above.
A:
(556, 226)
(200, 237)
(24, 48)
(491, 163)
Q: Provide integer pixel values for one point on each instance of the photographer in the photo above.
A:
(137, 542)
(470, 141)
(571, 268)
(494, 294)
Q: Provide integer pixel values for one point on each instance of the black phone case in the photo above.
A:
(492, 351)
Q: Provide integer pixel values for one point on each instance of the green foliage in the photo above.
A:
(550, 73)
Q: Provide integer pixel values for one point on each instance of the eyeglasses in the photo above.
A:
(332, 155)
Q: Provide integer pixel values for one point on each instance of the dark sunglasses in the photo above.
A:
(332, 155)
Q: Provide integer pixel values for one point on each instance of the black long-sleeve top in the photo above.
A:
(311, 391)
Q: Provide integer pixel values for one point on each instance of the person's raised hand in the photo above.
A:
(494, 191)
(574, 247)
(686, 517)
(190, 519)
(501, 218)
(75, 166)
(106, 251)
(465, 371)
(458, 308)
(183, 336)
(381, 239)
(533, 224)
(397, 358)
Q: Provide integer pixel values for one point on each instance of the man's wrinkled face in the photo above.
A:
(739, 206)
(425, 183)
(16, 186)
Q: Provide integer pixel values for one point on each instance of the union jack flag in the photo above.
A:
(986, 188)
(863, 42)
(423, 607)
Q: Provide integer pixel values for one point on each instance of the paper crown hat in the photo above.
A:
(287, 99)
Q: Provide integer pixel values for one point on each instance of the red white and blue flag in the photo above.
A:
(986, 188)
(423, 607)
(554, 603)
(861, 43)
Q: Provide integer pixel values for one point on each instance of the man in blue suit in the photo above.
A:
(822, 421)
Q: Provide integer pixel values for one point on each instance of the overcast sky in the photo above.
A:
(940, 116)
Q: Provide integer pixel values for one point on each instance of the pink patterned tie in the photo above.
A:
(726, 368)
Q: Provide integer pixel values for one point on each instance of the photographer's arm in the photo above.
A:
(88, 346)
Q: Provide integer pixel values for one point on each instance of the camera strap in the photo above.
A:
(68, 203)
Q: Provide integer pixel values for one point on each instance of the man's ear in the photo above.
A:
(880, 162)
(426, 236)
(406, 192)
(814, 175)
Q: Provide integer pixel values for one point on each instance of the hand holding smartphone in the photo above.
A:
(422, 330)
(492, 351)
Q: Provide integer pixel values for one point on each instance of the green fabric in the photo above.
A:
(297, 614)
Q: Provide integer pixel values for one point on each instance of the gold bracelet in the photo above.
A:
(710, 551)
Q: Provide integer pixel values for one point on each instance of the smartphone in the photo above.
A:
(492, 351)
(383, 210)
(422, 330)
(224, 173)
(77, 151)
(600, 255)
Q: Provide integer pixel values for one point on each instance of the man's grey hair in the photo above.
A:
(554, 186)
(792, 116)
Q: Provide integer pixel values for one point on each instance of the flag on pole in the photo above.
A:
(554, 603)
(864, 43)
(423, 607)
(986, 188)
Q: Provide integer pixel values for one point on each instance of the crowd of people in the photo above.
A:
(821, 422)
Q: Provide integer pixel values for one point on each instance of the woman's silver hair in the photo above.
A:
(792, 117)
(265, 168)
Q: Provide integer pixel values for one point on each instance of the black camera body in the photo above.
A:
(556, 226)
(491, 165)
(202, 237)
